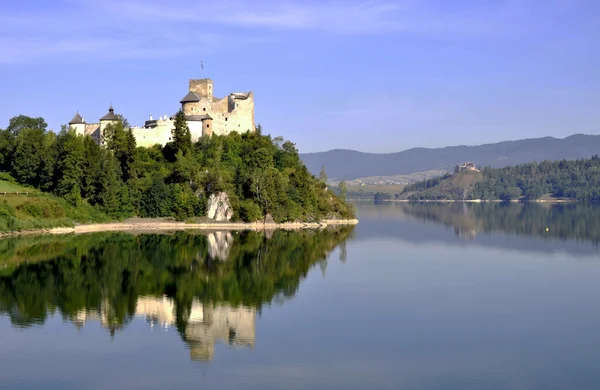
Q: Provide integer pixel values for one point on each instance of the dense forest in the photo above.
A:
(43, 274)
(261, 175)
(577, 180)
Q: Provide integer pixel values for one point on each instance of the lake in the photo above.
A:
(423, 296)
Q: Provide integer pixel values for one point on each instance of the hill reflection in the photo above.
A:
(209, 287)
(532, 227)
(565, 221)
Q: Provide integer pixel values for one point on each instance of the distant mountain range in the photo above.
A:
(350, 164)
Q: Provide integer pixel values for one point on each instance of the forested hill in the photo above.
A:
(349, 164)
(576, 180)
(256, 176)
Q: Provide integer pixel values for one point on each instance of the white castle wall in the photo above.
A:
(234, 112)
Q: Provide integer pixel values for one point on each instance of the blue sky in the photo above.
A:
(369, 75)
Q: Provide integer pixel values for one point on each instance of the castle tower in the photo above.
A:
(207, 126)
(107, 119)
(77, 124)
(203, 87)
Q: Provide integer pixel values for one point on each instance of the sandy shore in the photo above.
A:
(153, 226)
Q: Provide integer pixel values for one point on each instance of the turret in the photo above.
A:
(207, 128)
(110, 117)
(77, 124)
(106, 120)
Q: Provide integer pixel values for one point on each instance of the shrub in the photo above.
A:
(250, 211)
(42, 208)
(157, 200)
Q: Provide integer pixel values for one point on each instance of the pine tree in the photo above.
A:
(323, 175)
(343, 189)
(108, 183)
(182, 138)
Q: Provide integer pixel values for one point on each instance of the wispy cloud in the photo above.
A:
(124, 28)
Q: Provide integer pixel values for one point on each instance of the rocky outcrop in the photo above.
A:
(219, 207)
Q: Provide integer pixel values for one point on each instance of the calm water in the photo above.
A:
(415, 297)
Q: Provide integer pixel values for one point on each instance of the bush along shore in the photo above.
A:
(70, 180)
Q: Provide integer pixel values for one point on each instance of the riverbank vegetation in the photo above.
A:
(90, 183)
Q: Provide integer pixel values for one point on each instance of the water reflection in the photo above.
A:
(209, 287)
(201, 324)
(574, 228)
(565, 221)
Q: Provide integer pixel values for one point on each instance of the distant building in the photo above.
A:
(467, 166)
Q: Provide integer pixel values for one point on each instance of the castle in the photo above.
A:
(205, 115)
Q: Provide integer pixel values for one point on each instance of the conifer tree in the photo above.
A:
(182, 138)
(323, 175)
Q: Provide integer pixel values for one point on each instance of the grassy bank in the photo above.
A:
(43, 211)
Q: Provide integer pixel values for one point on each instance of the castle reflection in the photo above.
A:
(204, 324)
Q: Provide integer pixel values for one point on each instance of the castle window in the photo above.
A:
(204, 108)
(207, 125)
(225, 119)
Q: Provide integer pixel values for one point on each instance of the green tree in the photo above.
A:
(18, 123)
(7, 140)
(157, 200)
(343, 189)
(109, 183)
(323, 175)
(27, 156)
(182, 138)
(70, 164)
(92, 169)
(121, 142)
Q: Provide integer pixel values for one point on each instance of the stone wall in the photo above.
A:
(79, 128)
(195, 129)
(93, 130)
(161, 134)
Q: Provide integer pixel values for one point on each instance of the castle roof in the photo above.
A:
(110, 116)
(197, 117)
(190, 97)
(77, 120)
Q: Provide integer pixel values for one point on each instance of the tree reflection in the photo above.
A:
(209, 287)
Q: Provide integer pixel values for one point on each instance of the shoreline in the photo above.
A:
(153, 226)
(474, 201)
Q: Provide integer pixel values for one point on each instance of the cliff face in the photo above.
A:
(219, 207)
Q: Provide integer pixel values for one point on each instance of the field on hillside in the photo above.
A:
(6, 186)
